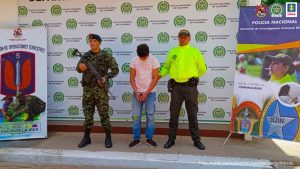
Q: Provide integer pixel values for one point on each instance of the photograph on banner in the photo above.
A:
(267, 73)
(23, 85)
(266, 98)
(289, 95)
(278, 66)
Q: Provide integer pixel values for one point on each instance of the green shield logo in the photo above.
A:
(71, 24)
(179, 21)
(174, 57)
(127, 97)
(220, 20)
(110, 111)
(201, 37)
(70, 53)
(142, 22)
(73, 82)
(90, 9)
(87, 38)
(108, 50)
(56, 10)
(58, 97)
(73, 110)
(201, 5)
(37, 22)
(219, 83)
(110, 83)
(163, 97)
(182, 113)
(163, 38)
(126, 38)
(241, 3)
(218, 113)
(57, 39)
(219, 51)
(163, 7)
(126, 8)
(22, 11)
(58, 68)
(106, 23)
(161, 65)
(276, 10)
(202, 98)
(126, 68)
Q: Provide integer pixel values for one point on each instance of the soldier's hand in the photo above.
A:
(8, 118)
(102, 82)
(82, 67)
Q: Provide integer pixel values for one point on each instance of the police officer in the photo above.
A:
(185, 65)
(95, 93)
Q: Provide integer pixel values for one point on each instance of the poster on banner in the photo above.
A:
(266, 99)
(122, 26)
(23, 83)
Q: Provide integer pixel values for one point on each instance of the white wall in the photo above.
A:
(9, 13)
(254, 2)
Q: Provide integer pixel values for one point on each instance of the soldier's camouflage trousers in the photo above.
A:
(91, 97)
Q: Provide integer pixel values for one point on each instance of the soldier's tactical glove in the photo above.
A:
(82, 67)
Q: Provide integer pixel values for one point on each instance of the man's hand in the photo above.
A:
(138, 96)
(101, 82)
(159, 76)
(82, 67)
(144, 96)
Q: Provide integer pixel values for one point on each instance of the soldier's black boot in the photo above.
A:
(86, 138)
(108, 142)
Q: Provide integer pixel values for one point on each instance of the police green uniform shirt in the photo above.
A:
(285, 79)
(184, 62)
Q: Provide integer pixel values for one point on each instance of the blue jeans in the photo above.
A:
(137, 108)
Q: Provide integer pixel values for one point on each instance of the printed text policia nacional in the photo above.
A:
(286, 24)
(274, 22)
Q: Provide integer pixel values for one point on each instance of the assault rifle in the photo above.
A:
(91, 69)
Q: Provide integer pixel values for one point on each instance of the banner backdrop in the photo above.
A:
(123, 25)
(266, 86)
(23, 55)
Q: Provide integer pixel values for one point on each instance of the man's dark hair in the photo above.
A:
(142, 50)
(284, 91)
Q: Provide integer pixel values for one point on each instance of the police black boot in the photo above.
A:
(108, 142)
(199, 145)
(86, 139)
(169, 143)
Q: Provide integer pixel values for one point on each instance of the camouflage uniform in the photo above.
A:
(30, 105)
(93, 94)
